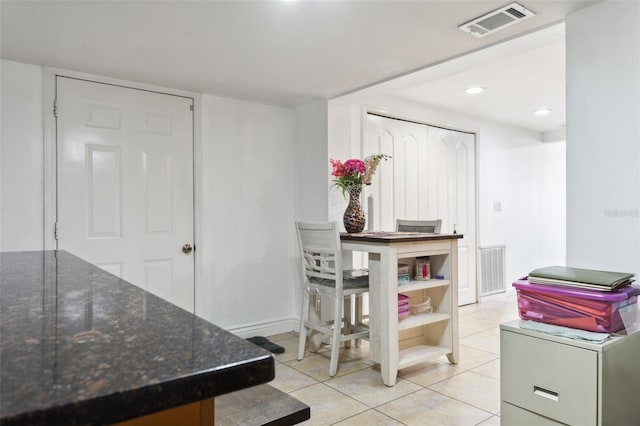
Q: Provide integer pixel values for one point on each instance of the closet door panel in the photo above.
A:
(455, 152)
(431, 176)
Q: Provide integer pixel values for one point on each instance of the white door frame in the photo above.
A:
(364, 110)
(50, 154)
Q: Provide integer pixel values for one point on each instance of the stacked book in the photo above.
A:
(578, 298)
(580, 278)
(403, 273)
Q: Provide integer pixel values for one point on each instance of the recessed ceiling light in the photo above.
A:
(542, 111)
(474, 90)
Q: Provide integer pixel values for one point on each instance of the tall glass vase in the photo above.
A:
(354, 214)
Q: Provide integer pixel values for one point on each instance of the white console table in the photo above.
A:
(397, 344)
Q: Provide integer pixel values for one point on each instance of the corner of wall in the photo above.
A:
(603, 111)
(21, 172)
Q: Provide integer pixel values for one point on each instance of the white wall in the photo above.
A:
(247, 237)
(343, 143)
(513, 167)
(310, 149)
(603, 136)
(554, 202)
(21, 156)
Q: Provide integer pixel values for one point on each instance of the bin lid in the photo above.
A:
(619, 295)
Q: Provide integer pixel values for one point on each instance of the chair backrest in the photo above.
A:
(320, 251)
(430, 226)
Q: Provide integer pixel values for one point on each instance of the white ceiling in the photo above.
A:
(520, 76)
(284, 52)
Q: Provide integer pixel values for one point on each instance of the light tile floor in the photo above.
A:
(432, 393)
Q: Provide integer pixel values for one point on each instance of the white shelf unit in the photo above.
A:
(428, 335)
(418, 285)
(421, 319)
(417, 354)
(394, 343)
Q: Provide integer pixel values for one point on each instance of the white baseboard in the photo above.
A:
(508, 292)
(267, 328)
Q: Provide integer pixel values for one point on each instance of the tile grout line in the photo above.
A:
(465, 403)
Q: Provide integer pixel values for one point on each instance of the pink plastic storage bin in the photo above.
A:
(574, 307)
(403, 302)
(403, 314)
(403, 306)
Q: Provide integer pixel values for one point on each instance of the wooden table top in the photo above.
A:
(395, 237)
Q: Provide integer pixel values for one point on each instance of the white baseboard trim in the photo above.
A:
(267, 328)
(509, 291)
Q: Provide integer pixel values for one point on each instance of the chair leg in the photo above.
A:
(303, 329)
(358, 314)
(337, 331)
(315, 317)
(347, 319)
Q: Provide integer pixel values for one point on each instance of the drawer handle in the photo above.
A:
(545, 393)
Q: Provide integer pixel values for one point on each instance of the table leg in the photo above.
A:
(453, 323)
(384, 312)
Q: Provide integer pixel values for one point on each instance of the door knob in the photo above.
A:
(186, 249)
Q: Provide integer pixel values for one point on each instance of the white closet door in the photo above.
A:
(125, 184)
(453, 177)
(431, 176)
(399, 182)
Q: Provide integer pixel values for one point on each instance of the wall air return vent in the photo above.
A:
(496, 20)
(492, 274)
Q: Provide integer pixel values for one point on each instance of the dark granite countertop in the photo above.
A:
(81, 346)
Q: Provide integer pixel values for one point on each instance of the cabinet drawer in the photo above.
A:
(510, 415)
(551, 379)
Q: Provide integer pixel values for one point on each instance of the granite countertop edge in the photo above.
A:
(121, 406)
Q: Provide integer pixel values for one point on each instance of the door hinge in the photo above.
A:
(191, 107)
(55, 107)
(56, 231)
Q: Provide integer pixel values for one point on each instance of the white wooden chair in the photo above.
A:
(430, 226)
(322, 274)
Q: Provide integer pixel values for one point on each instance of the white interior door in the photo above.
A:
(125, 183)
(453, 170)
(431, 176)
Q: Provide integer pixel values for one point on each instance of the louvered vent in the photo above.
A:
(492, 278)
(496, 20)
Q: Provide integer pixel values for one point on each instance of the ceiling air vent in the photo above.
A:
(496, 20)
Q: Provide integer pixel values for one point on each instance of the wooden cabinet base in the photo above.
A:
(199, 413)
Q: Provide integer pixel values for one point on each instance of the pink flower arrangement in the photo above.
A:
(355, 172)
